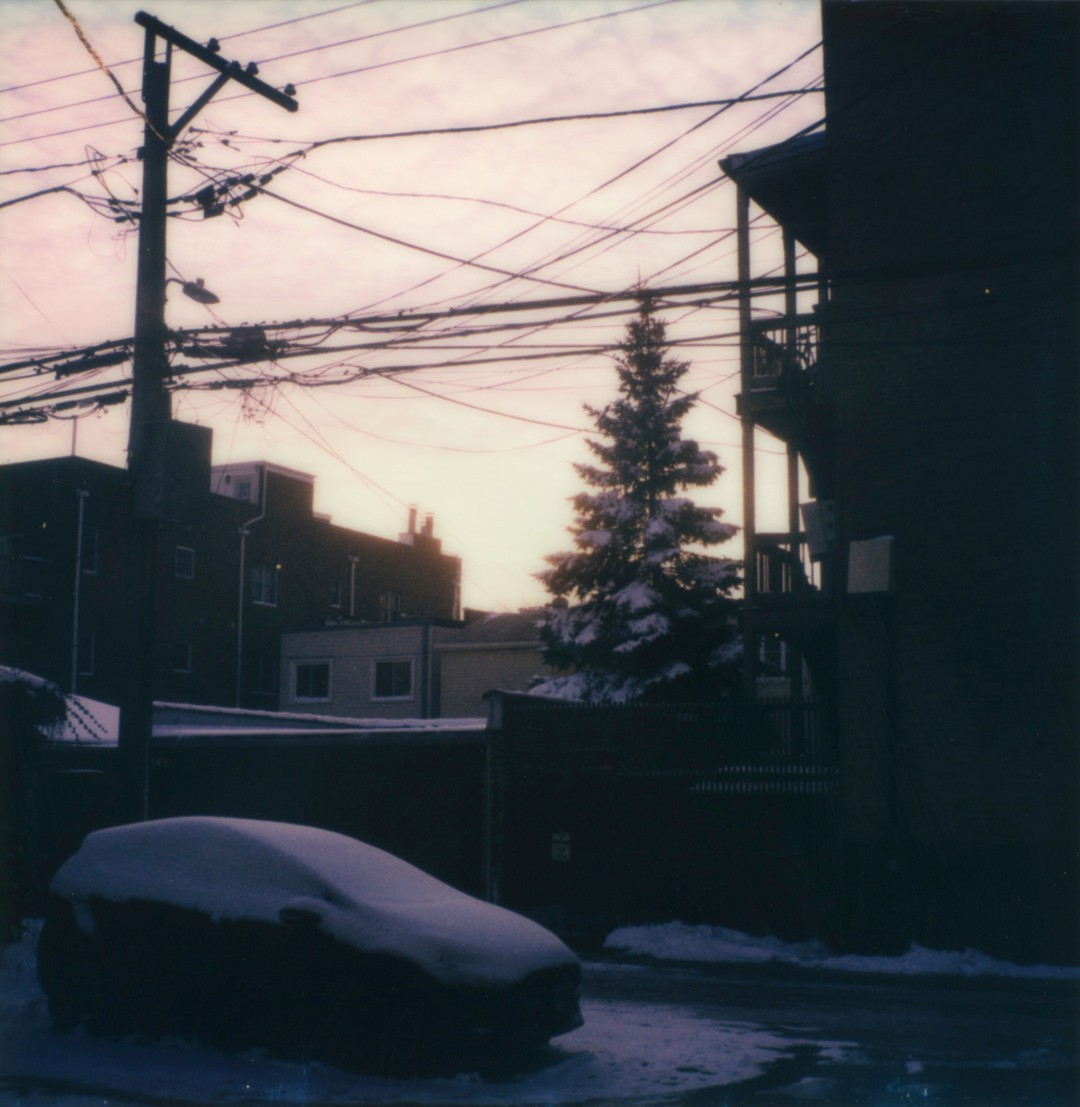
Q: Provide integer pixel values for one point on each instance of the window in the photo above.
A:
(242, 489)
(389, 606)
(180, 657)
(311, 681)
(393, 680)
(335, 592)
(184, 562)
(264, 583)
(772, 653)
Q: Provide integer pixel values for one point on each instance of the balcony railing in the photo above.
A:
(781, 567)
(783, 350)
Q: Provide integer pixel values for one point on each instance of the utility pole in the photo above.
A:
(153, 438)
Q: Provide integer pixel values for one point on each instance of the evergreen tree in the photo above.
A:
(641, 609)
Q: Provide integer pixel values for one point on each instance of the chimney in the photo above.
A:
(429, 526)
(409, 537)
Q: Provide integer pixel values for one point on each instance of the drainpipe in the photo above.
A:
(427, 708)
(81, 494)
(245, 530)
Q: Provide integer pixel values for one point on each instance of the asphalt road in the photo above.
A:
(877, 1040)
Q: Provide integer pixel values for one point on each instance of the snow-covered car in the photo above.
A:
(241, 933)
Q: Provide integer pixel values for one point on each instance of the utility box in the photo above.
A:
(870, 566)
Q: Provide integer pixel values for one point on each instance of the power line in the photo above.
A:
(344, 73)
(410, 245)
(262, 61)
(221, 38)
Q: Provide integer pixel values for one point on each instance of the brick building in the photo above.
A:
(921, 367)
(258, 562)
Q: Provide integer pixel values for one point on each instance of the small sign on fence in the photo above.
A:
(560, 846)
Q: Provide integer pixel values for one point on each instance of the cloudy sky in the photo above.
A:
(474, 417)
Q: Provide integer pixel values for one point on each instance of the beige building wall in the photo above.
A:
(467, 672)
(351, 656)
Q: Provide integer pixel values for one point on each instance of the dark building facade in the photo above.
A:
(257, 563)
(921, 366)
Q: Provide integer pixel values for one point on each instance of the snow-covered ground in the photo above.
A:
(717, 945)
(625, 1050)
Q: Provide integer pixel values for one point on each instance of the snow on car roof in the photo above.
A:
(363, 896)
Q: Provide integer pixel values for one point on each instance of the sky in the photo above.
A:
(476, 418)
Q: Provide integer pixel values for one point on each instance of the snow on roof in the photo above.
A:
(10, 675)
(247, 869)
(89, 721)
(501, 627)
(170, 716)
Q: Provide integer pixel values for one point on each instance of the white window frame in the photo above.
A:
(176, 563)
(376, 662)
(309, 663)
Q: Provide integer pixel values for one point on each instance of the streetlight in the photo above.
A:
(195, 290)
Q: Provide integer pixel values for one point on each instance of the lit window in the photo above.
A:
(184, 562)
(311, 681)
(393, 680)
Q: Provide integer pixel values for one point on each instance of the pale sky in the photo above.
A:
(497, 481)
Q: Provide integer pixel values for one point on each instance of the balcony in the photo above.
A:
(782, 390)
(787, 595)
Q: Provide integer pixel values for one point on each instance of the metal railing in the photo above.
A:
(783, 350)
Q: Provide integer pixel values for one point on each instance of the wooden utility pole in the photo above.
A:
(152, 433)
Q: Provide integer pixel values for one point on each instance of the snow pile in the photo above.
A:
(21, 1000)
(248, 869)
(677, 941)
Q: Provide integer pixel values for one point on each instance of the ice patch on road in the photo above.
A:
(677, 941)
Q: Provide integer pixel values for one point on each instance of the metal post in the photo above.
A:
(749, 494)
(794, 658)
